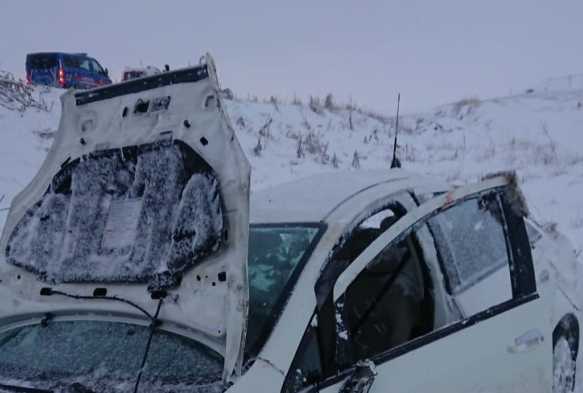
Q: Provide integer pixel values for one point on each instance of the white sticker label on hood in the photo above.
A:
(122, 223)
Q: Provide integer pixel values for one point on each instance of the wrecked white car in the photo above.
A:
(415, 286)
(133, 262)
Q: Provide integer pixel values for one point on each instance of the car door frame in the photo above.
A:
(520, 262)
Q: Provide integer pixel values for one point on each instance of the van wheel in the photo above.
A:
(563, 366)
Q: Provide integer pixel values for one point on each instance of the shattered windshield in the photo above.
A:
(105, 357)
(276, 256)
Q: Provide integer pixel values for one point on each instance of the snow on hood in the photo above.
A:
(103, 218)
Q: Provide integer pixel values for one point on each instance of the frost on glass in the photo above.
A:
(137, 214)
(471, 240)
(106, 357)
(274, 254)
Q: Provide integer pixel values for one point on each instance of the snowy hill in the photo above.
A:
(539, 134)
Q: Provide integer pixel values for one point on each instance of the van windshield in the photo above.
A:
(40, 61)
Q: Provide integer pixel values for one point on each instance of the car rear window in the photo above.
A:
(41, 60)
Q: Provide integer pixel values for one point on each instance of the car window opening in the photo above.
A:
(395, 288)
(384, 303)
(388, 304)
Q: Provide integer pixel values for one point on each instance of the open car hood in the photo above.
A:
(144, 195)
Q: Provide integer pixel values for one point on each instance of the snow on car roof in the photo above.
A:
(315, 198)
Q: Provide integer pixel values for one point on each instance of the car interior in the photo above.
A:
(388, 304)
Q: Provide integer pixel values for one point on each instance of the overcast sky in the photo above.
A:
(432, 51)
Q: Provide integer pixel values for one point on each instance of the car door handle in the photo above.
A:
(527, 341)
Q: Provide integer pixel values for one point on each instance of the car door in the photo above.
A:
(501, 339)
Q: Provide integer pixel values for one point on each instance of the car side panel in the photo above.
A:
(477, 358)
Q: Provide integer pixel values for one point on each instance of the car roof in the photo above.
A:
(77, 54)
(322, 197)
(43, 53)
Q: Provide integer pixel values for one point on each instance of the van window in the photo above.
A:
(77, 62)
(41, 61)
(97, 67)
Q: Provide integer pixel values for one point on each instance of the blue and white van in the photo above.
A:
(65, 70)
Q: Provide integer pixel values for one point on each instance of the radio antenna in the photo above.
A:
(395, 163)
